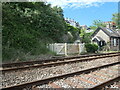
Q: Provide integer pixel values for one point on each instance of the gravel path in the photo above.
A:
(33, 74)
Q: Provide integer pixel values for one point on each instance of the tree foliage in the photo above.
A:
(27, 25)
(98, 23)
(116, 19)
(93, 27)
(85, 37)
(74, 32)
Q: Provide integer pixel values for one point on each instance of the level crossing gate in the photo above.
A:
(67, 48)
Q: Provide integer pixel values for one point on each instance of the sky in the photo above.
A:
(86, 12)
(86, 15)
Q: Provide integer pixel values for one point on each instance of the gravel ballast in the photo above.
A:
(33, 74)
(75, 79)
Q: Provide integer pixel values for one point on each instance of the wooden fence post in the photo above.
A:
(65, 49)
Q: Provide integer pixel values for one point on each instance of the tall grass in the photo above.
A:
(15, 55)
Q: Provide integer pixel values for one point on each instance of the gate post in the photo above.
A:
(65, 49)
(79, 48)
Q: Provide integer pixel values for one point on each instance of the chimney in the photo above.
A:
(108, 25)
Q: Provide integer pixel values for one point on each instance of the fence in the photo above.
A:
(67, 48)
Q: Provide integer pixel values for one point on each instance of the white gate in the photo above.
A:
(67, 48)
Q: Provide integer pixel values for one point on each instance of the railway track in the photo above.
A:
(31, 64)
(33, 73)
(113, 83)
(18, 64)
(88, 78)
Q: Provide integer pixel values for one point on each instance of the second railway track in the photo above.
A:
(31, 64)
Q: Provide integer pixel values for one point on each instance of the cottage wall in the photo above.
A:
(104, 36)
(117, 47)
(114, 41)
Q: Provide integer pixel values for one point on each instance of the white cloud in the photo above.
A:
(78, 3)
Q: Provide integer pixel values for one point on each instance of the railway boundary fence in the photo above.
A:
(67, 48)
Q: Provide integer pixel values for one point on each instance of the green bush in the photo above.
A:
(91, 48)
(12, 54)
(41, 49)
(25, 24)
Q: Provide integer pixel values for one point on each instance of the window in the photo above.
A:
(101, 43)
(114, 42)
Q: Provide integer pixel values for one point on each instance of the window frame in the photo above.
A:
(114, 42)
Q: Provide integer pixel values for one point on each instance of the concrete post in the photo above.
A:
(65, 49)
(79, 48)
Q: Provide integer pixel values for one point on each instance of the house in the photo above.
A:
(75, 24)
(106, 36)
(110, 24)
(83, 27)
(89, 30)
(72, 22)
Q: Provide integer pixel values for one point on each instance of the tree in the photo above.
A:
(27, 25)
(85, 37)
(93, 27)
(116, 19)
(58, 10)
(98, 23)
(74, 31)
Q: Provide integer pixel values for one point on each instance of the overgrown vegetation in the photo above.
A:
(91, 48)
(73, 31)
(99, 23)
(28, 27)
(85, 37)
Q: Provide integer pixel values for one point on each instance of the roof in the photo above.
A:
(118, 31)
(100, 39)
(109, 32)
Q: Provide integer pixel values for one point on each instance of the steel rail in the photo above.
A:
(56, 63)
(102, 85)
(47, 80)
(50, 60)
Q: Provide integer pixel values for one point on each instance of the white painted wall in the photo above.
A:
(103, 35)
